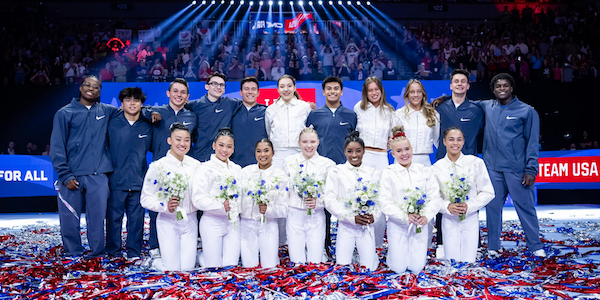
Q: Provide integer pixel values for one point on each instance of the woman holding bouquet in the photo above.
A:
(351, 190)
(166, 191)
(263, 202)
(305, 224)
(216, 193)
(410, 197)
(466, 187)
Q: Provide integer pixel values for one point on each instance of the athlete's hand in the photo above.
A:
(172, 204)
(364, 219)
(262, 208)
(73, 184)
(457, 208)
(226, 205)
(156, 117)
(437, 101)
(528, 180)
(311, 203)
(313, 106)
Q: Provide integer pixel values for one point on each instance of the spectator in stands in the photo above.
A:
(266, 64)
(360, 74)
(344, 70)
(327, 54)
(389, 73)
(47, 150)
(436, 68)
(293, 65)
(190, 73)
(106, 73)
(585, 142)
(29, 149)
(20, 70)
(277, 71)
(40, 74)
(306, 69)
(377, 69)
(251, 71)
(235, 70)
(11, 148)
(157, 72)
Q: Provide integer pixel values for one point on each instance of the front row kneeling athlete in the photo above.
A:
(177, 239)
(262, 237)
(219, 230)
(407, 249)
(354, 231)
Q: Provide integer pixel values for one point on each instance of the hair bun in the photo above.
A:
(353, 135)
(397, 129)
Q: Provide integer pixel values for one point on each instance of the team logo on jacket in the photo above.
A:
(100, 117)
(218, 110)
(141, 136)
(343, 123)
(258, 119)
(465, 120)
(511, 118)
(186, 123)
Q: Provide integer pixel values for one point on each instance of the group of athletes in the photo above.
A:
(99, 153)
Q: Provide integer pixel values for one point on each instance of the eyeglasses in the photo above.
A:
(87, 84)
(215, 84)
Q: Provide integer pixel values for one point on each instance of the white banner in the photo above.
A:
(205, 34)
(123, 34)
(185, 38)
(146, 35)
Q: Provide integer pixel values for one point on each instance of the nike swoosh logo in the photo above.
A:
(343, 123)
(464, 120)
(141, 136)
(187, 123)
(218, 110)
(511, 118)
(100, 117)
(258, 119)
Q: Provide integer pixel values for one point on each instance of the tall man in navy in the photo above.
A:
(213, 111)
(248, 123)
(333, 122)
(464, 114)
(175, 111)
(510, 152)
(129, 139)
(79, 153)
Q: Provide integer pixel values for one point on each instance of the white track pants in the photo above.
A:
(260, 239)
(350, 236)
(305, 235)
(461, 237)
(220, 241)
(178, 241)
(406, 249)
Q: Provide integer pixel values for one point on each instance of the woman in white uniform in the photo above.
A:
(461, 237)
(284, 120)
(354, 230)
(177, 239)
(407, 249)
(258, 237)
(219, 230)
(306, 233)
(421, 122)
(375, 119)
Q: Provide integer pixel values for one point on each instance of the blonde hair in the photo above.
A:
(426, 108)
(308, 129)
(293, 81)
(364, 103)
(398, 130)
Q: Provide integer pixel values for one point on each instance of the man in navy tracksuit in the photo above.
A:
(213, 111)
(129, 139)
(510, 152)
(464, 114)
(79, 153)
(333, 122)
(248, 123)
(175, 111)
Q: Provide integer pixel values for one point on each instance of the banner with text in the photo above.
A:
(26, 176)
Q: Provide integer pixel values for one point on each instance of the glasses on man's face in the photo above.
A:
(217, 85)
(94, 86)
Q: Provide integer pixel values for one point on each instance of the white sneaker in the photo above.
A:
(539, 253)
(155, 253)
(495, 253)
(439, 252)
